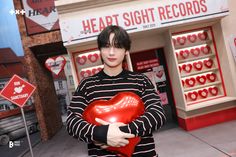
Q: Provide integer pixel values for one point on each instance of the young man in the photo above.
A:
(114, 43)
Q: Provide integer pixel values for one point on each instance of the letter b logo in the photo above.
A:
(11, 144)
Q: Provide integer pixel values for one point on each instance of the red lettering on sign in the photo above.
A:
(161, 11)
(86, 25)
(203, 4)
(174, 7)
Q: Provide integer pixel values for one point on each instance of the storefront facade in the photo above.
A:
(182, 46)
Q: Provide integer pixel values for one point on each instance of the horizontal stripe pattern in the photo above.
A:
(102, 86)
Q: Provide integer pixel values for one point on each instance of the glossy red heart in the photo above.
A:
(181, 40)
(208, 63)
(211, 77)
(201, 79)
(205, 49)
(202, 36)
(213, 91)
(123, 107)
(198, 65)
(93, 57)
(190, 82)
(192, 38)
(81, 60)
(195, 52)
(187, 67)
(203, 93)
(184, 54)
(193, 95)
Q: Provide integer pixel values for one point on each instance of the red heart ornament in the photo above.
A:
(195, 52)
(202, 36)
(198, 65)
(82, 60)
(193, 95)
(203, 93)
(208, 63)
(192, 38)
(187, 67)
(213, 91)
(93, 57)
(181, 40)
(123, 107)
(190, 82)
(38, 6)
(211, 77)
(55, 64)
(86, 73)
(184, 54)
(205, 49)
(201, 79)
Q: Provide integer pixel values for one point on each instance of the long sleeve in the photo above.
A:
(154, 116)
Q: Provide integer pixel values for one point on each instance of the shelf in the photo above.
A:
(195, 59)
(178, 47)
(198, 72)
(214, 101)
(202, 86)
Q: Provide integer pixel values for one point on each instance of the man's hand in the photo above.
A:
(115, 137)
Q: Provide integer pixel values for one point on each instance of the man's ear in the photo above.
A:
(126, 52)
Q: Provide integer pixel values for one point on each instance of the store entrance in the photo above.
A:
(152, 63)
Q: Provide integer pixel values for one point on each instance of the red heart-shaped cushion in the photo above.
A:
(82, 60)
(123, 107)
(192, 38)
(198, 65)
(208, 63)
(184, 54)
(205, 49)
(201, 79)
(202, 36)
(187, 67)
(203, 93)
(181, 40)
(93, 57)
(193, 95)
(195, 52)
(190, 82)
(213, 91)
(211, 77)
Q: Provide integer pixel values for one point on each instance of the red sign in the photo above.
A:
(55, 64)
(17, 91)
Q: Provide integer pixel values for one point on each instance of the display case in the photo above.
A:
(87, 63)
(198, 65)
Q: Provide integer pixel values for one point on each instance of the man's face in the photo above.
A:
(112, 56)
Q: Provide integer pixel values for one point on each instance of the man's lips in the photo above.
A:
(111, 59)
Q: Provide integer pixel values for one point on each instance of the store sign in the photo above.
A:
(40, 16)
(140, 16)
(55, 64)
(17, 91)
(232, 43)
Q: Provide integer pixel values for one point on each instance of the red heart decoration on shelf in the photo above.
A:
(198, 65)
(184, 54)
(190, 82)
(201, 79)
(159, 73)
(187, 67)
(93, 57)
(123, 107)
(192, 38)
(174, 41)
(181, 40)
(213, 91)
(82, 60)
(193, 95)
(195, 52)
(96, 70)
(86, 73)
(211, 77)
(208, 63)
(202, 36)
(203, 93)
(205, 49)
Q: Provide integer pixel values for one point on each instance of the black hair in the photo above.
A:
(121, 38)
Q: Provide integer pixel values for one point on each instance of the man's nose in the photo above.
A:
(111, 51)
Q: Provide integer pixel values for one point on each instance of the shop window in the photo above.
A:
(60, 84)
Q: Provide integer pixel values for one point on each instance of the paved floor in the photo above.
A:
(214, 141)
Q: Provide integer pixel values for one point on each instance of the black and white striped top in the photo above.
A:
(102, 86)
